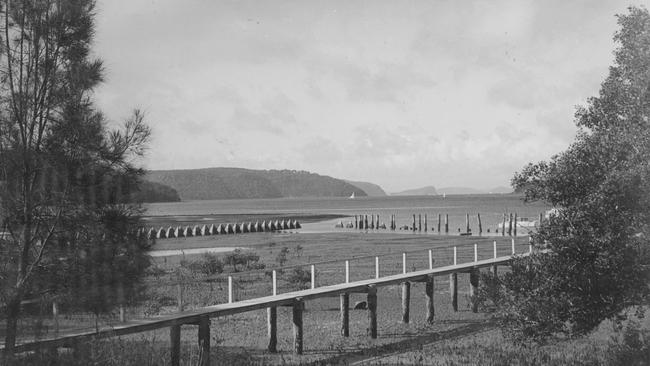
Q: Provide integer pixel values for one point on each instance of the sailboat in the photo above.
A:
(351, 196)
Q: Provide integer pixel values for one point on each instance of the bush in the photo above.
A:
(299, 276)
(241, 258)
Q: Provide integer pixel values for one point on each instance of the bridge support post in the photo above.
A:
(429, 287)
(298, 307)
(446, 223)
(406, 302)
(272, 328)
(345, 314)
(175, 340)
(453, 289)
(204, 341)
(473, 289)
(372, 311)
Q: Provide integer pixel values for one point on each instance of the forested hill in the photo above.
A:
(231, 183)
(155, 192)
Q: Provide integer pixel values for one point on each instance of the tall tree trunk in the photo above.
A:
(13, 312)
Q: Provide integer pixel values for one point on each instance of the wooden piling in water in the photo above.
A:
(372, 221)
(425, 223)
(406, 302)
(429, 290)
(365, 224)
(419, 222)
(503, 228)
(372, 311)
(175, 342)
(356, 222)
(413, 222)
(298, 307)
(377, 221)
(345, 314)
(204, 341)
(272, 329)
(473, 290)
(439, 221)
(467, 229)
(453, 289)
(480, 226)
(514, 226)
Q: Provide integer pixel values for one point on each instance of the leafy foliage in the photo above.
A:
(241, 258)
(601, 186)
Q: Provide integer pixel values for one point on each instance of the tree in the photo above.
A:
(598, 240)
(61, 170)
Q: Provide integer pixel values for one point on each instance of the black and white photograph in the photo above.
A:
(335, 182)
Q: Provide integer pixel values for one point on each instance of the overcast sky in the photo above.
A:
(400, 93)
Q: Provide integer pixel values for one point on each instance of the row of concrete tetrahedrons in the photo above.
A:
(222, 229)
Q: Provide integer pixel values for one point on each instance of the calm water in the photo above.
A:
(491, 208)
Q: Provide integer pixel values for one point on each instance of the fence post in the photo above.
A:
(345, 314)
(274, 278)
(230, 297)
(513, 246)
(475, 252)
(313, 277)
(406, 301)
(347, 271)
(530, 244)
(372, 311)
(429, 288)
(272, 328)
(55, 316)
(179, 294)
(430, 259)
(404, 263)
(376, 267)
(473, 290)
(298, 306)
(453, 289)
(175, 340)
(204, 340)
(455, 256)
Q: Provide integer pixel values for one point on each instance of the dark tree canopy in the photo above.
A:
(599, 240)
(65, 178)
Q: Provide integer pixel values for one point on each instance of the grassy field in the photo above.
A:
(455, 338)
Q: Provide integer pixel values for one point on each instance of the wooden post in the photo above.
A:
(430, 259)
(475, 252)
(230, 297)
(377, 222)
(429, 287)
(376, 267)
(372, 311)
(425, 223)
(541, 219)
(274, 279)
(365, 224)
(439, 220)
(345, 314)
(455, 256)
(503, 228)
(179, 294)
(347, 271)
(121, 300)
(372, 221)
(298, 306)
(467, 229)
(510, 225)
(494, 245)
(272, 328)
(473, 290)
(453, 289)
(530, 244)
(414, 228)
(446, 223)
(404, 263)
(313, 277)
(419, 222)
(480, 226)
(514, 226)
(513, 246)
(55, 316)
(204, 340)
(175, 340)
(406, 301)
(356, 222)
